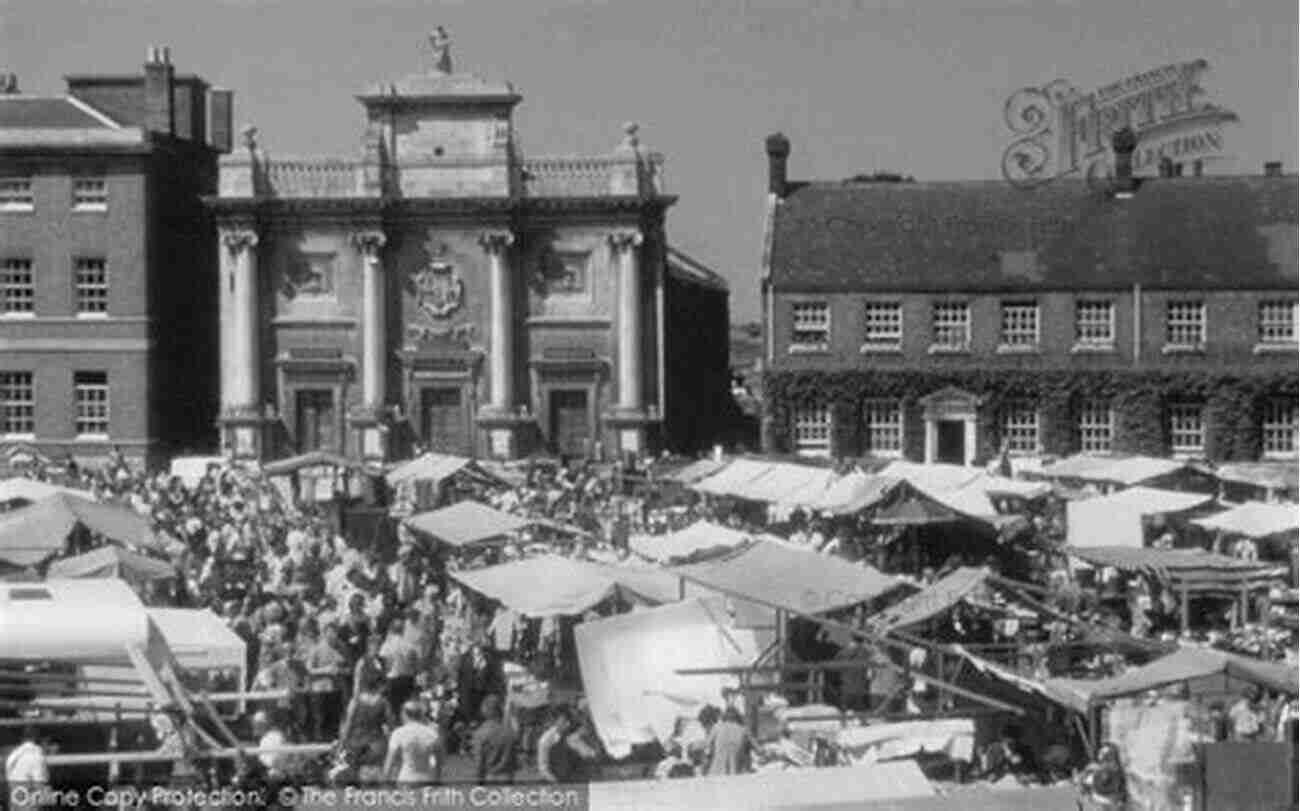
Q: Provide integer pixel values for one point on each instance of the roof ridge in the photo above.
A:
(92, 111)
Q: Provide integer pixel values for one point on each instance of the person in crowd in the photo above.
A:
(1103, 781)
(729, 748)
(494, 745)
(479, 674)
(555, 760)
(371, 665)
(414, 749)
(325, 669)
(1246, 717)
(402, 658)
(364, 733)
(26, 767)
(270, 734)
(855, 683)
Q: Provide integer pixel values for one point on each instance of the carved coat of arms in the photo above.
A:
(439, 289)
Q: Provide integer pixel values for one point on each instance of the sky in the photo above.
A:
(909, 86)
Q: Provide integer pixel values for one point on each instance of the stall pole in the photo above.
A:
(1185, 616)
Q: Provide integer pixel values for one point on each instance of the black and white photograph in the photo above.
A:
(826, 405)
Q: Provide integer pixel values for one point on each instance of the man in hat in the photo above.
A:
(479, 675)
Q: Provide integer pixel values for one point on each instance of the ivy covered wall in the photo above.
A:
(1234, 405)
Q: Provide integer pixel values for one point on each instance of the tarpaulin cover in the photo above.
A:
(1176, 565)
(880, 785)
(953, 737)
(1185, 664)
(1116, 519)
(697, 470)
(31, 534)
(854, 492)
(1255, 519)
(730, 479)
(934, 477)
(71, 620)
(1120, 470)
(432, 466)
(200, 639)
(1158, 744)
(697, 539)
(916, 508)
(465, 523)
(770, 482)
(629, 667)
(798, 579)
(932, 600)
(113, 561)
(1269, 475)
(284, 467)
(1052, 689)
(542, 586)
(24, 489)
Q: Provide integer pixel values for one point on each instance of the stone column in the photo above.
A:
(374, 364)
(499, 414)
(624, 246)
(240, 378)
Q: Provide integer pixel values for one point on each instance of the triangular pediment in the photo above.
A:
(951, 396)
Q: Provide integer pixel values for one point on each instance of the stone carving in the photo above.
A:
(310, 274)
(439, 290)
(237, 240)
(369, 243)
(440, 44)
(495, 242)
(625, 239)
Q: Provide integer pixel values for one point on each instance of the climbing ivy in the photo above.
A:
(1234, 404)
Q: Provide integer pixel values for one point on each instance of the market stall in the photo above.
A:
(701, 539)
(467, 523)
(114, 561)
(33, 534)
(1117, 519)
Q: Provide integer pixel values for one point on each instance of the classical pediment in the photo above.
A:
(950, 400)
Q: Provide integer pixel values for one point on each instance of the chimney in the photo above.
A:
(158, 105)
(220, 136)
(1124, 144)
(778, 151)
(8, 84)
(1273, 169)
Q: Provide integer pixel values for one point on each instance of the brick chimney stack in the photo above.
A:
(778, 153)
(1124, 144)
(159, 115)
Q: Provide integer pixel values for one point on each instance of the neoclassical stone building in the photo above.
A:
(441, 290)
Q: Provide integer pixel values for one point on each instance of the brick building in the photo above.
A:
(440, 289)
(107, 335)
(942, 321)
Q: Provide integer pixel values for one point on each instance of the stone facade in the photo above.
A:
(439, 289)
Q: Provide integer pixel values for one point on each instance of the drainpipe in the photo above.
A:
(1137, 324)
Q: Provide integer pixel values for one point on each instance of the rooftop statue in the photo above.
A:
(440, 43)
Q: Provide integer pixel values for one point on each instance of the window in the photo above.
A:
(1094, 323)
(1095, 426)
(812, 431)
(951, 325)
(1277, 322)
(1019, 423)
(812, 325)
(1186, 429)
(884, 427)
(17, 404)
(17, 288)
(1185, 324)
(884, 324)
(92, 287)
(90, 194)
(16, 194)
(1279, 428)
(1019, 325)
(91, 392)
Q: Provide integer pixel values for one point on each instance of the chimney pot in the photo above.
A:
(778, 153)
(1124, 144)
(166, 55)
(1273, 169)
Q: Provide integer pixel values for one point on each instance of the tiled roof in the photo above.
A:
(46, 113)
(1203, 232)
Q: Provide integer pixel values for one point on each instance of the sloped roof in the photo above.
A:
(466, 522)
(1255, 519)
(47, 113)
(933, 600)
(1207, 232)
(31, 534)
(1177, 564)
(691, 270)
(1183, 665)
(697, 539)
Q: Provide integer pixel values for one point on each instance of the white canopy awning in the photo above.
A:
(1255, 519)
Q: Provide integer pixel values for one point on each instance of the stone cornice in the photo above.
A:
(372, 206)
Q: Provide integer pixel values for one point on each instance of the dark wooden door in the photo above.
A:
(443, 424)
(316, 420)
(570, 421)
(952, 442)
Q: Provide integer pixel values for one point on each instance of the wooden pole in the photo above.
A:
(1185, 611)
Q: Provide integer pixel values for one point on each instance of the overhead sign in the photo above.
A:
(1061, 132)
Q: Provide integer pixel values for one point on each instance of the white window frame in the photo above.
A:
(882, 427)
(1015, 427)
(812, 428)
(24, 425)
(1186, 420)
(16, 194)
(1019, 326)
(1096, 426)
(882, 326)
(943, 317)
(1183, 317)
(17, 287)
(90, 194)
(1088, 325)
(1277, 323)
(810, 326)
(93, 405)
(1278, 432)
(90, 292)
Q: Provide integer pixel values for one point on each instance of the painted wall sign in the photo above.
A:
(1061, 132)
